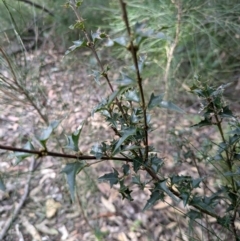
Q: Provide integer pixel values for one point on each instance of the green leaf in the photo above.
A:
(155, 100)
(45, 135)
(54, 124)
(96, 75)
(79, 3)
(170, 106)
(207, 203)
(156, 163)
(125, 191)
(137, 162)
(111, 177)
(125, 135)
(235, 131)
(98, 35)
(136, 180)
(185, 197)
(196, 182)
(226, 112)
(218, 157)
(113, 96)
(71, 170)
(163, 186)
(205, 122)
(21, 155)
(2, 186)
(126, 169)
(225, 221)
(97, 151)
(129, 148)
(76, 44)
(132, 95)
(192, 214)
(125, 80)
(121, 41)
(155, 196)
(176, 179)
(73, 140)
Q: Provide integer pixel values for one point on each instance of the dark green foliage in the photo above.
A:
(71, 170)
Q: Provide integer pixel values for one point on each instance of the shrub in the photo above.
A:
(127, 111)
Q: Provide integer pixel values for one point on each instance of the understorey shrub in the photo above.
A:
(211, 192)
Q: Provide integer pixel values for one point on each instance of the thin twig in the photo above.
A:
(91, 45)
(21, 89)
(229, 164)
(56, 154)
(135, 60)
(21, 203)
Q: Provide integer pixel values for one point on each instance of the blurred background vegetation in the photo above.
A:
(205, 34)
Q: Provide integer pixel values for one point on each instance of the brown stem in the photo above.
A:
(56, 154)
(92, 47)
(219, 126)
(135, 60)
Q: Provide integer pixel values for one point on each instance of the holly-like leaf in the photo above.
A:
(155, 100)
(96, 75)
(54, 124)
(226, 112)
(79, 3)
(137, 162)
(125, 191)
(126, 169)
(112, 97)
(46, 133)
(163, 186)
(136, 180)
(192, 214)
(97, 151)
(155, 196)
(21, 155)
(111, 177)
(225, 221)
(156, 163)
(196, 182)
(71, 170)
(125, 80)
(125, 135)
(132, 95)
(121, 41)
(76, 44)
(2, 186)
(98, 35)
(185, 197)
(73, 140)
(205, 122)
(170, 106)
